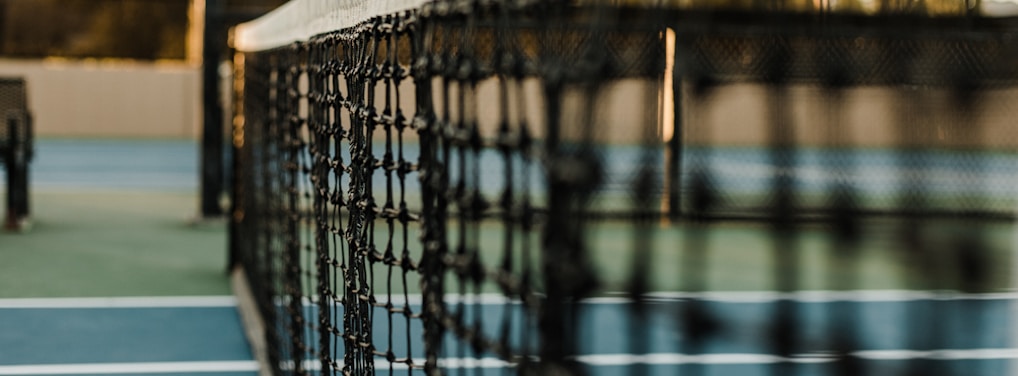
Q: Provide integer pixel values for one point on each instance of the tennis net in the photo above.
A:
(606, 187)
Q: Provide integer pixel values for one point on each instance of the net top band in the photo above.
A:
(299, 20)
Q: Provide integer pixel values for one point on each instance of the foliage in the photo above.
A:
(131, 29)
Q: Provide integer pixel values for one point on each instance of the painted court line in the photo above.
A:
(121, 368)
(608, 360)
(122, 302)
(455, 363)
(813, 296)
(750, 359)
(805, 296)
(821, 296)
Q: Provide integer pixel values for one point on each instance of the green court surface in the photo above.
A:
(132, 243)
(118, 280)
(86, 243)
(142, 243)
(736, 256)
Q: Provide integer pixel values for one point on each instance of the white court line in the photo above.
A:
(455, 363)
(961, 354)
(719, 359)
(821, 296)
(811, 296)
(606, 360)
(122, 302)
(806, 296)
(120, 368)
(707, 359)
(381, 364)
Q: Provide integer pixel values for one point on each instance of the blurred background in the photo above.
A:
(158, 69)
(140, 29)
(119, 93)
(146, 55)
(117, 68)
(130, 100)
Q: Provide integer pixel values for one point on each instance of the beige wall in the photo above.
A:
(95, 99)
(737, 114)
(111, 99)
(869, 116)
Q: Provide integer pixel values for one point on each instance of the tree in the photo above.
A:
(135, 29)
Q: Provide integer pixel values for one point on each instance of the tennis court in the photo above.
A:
(138, 336)
(609, 326)
(506, 187)
(115, 276)
(111, 335)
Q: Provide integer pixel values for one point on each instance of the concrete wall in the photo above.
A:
(135, 100)
(111, 99)
(738, 115)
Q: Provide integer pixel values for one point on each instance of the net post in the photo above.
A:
(17, 171)
(212, 120)
(236, 210)
(10, 220)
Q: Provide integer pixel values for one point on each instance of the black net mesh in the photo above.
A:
(328, 187)
(569, 188)
(937, 76)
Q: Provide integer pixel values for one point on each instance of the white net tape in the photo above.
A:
(300, 20)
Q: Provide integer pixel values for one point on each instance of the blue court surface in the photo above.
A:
(202, 335)
(161, 165)
(875, 174)
(971, 334)
(123, 336)
(974, 334)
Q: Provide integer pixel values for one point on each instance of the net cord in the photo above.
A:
(298, 21)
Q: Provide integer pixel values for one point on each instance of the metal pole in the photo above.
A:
(10, 221)
(17, 175)
(214, 42)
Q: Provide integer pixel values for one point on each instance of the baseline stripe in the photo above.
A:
(805, 296)
(122, 302)
(121, 368)
(748, 359)
(604, 360)
(960, 354)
